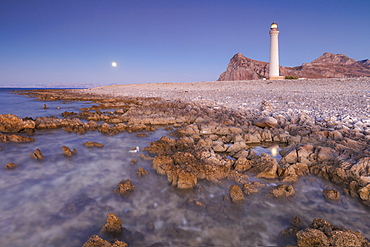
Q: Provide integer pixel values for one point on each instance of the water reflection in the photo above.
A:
(269, 148)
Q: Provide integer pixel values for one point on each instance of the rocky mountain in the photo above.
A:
(328, 65)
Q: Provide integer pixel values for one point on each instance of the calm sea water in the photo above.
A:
(61, 201)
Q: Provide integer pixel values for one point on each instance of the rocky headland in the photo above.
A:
(328, 65)
(323, 126)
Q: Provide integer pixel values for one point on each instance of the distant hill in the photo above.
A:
(328, 65)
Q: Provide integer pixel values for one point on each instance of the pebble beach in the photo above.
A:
(318, 97)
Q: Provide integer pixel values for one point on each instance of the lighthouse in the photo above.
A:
(274, 53)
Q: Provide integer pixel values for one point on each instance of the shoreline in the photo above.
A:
(212, 135)
(324, 97)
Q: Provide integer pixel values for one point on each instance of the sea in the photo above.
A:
(62, 201)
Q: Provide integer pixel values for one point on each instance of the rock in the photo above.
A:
(243, 164)
(142, 172)
(236, 194)
(364, 193)
(37, 155)
(252, 187)
(325, 154)
(331, 194)
(288, 235)
(269, 122)
(236, 147)
(15, 138)
(124, 187)
(150, 226)
(96, 241)
(322, 233)
(112, 226)
(293, 172)
(176, 233)
(289, 156)
(162, 163)
(67, 151)
(283, 191)
(186, 180)
(12, 123)
(344, 239)
(361, 168)
(312, 237)
(93, 144)
(266, 167)
(10, 166)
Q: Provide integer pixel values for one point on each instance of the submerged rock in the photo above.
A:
(252, 187)
(142, 172)
(113, 226)
(10, 166)
(96, 241)
(331, 194)
(90, 144)
(236, 194)
(124, 187)
(283, 191)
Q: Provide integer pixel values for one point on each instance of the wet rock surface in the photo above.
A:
(68, 152)
(124, 187)
(10, 166)
(37, 155)
(113, 226)
(95, 241)
(320, 233)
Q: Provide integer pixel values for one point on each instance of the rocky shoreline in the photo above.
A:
(324, 125)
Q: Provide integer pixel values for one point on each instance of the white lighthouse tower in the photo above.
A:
(274, 53)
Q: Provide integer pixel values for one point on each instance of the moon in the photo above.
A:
(114, 64)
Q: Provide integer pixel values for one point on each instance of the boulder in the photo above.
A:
(361, 168)
(283, 191)
(243, 164)
(96, 241)
(265, 167)
(331, 194)
(142, 172)
(162, 163)
(15, 138)
(236, 147)
(124, 187)
(12, 123)
(344, 239)
(37, 155)
(264, 122)
(312, 237)
(364, 193)
(10, 166)
(252, 187)
(236, 194)
(112, 226)
(325, 154)
(90, 144)
(185, 180)
(67, 151)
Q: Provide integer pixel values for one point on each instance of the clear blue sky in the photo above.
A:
(75, 41)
